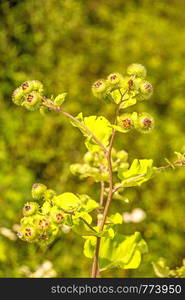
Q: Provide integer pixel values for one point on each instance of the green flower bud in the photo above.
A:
(146, 89)
(56, 215)
(122, 155)
(48, 237)
(99, 88)
(28, 220)
(58, 218)
(98, 158)
(126, 83)
(32, 101)
(49, 194)
(37, 86)
(137, 70)
(137, 82)
(124, 165)
(43, 237)
(114, 79)
(126, 122)
(32, 85)
(38, 190)
(27, 233)
(145, 122)
(46, 208)
(43, 223)
(18, 96)
(30, 208)
(91, 170)
(75, 168)
(26, 86)
(88, 157)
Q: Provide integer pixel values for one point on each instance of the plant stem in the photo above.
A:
(176, 164)
(109, 197)
(105, 212)
(95, 267)
(87, 224)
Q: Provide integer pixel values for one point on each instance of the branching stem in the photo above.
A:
(48, 103)
(176, 164)
(85, 222)
(95, 269)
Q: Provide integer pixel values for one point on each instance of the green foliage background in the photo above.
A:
(68, 44)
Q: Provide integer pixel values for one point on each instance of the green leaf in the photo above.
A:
(128, 103)
(89, 247)
(99, 126)
(68, 220)
(75, 123)
(84, 215)
(116, 95)
(108, 232)
(59, 100)
(67, 201)
(140, 171)
(120, 252)
(87, 203)
(46, 207)
(115, 219)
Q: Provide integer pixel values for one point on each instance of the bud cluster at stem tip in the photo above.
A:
(41, 221)
(29, 95)
(133, 82)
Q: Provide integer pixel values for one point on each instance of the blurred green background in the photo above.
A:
(68, 44)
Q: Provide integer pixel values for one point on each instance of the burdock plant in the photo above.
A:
(43, 219)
